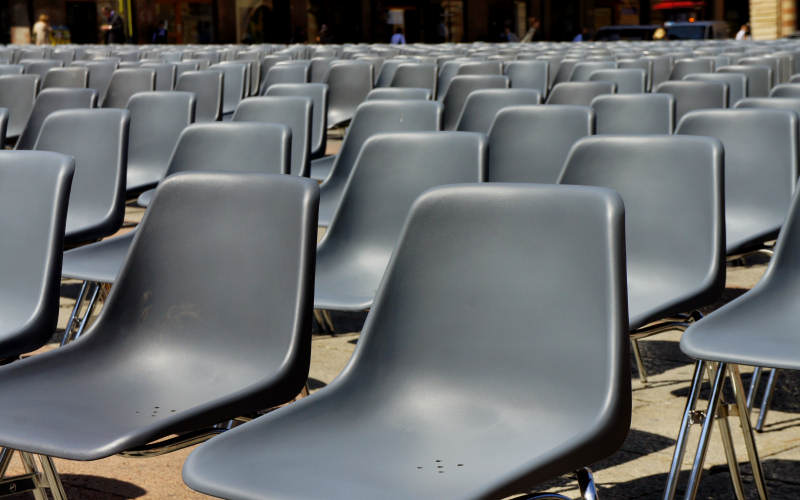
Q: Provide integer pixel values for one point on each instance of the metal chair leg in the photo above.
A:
(751, 393)
(637, 355)
(320, 321)
(769, 391)
(747, 431)
(727, 443)
(327, 316)
(586, 484)
(89, 308)
(53, 479)
(29, 465)
(73, 317)
(683, 432)
(5, 460)
(705, 433)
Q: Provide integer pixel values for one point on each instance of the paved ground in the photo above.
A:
(637, 471)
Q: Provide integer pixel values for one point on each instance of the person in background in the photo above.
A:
(508, 35)
(582, 36)
(114, 28)
(324, 34)
(744, 32)
(398, 38)
(534, 33)
(41, 30)
(160, 33)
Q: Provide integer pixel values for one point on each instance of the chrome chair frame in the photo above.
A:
(33, 480)
(585, 483)
(680, 323)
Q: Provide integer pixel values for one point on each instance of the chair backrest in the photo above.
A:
(318, 70)
(157, 120)
(531, 143)
(694, 95)
(415, 75)
(207, 87)
(459, 89)
(293, 112)
(48, 101)
(758, 78)
(285, 73)
(629, 81)
(100, 73)
(790, 103)
(39, 67)
(318, 92)
(234, 84)
(583, 70)
(736, 82)
(641, 63)
(170, 288)
(634, 114)
(662, 67)
(761, 168)
(17, 95)
(165, 74)
(768, 62)
(392, 170)
(374, 117)
(683, 67)
(11, 69)
(263, 148)
(388, 69)
(76, 77)
(125, 83)
(482, 106)
(64, 55)
(437, 279)
(34, 193)
(349, 83)
(3, 126)
(785, 90)
(672, 188)
(98, 140)
(399, 93)
(184, 66)
(529, 75)
(579, 93)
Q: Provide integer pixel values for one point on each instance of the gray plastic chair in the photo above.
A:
(76, 77)
(35, 186)
(761, 169)
(736, 82)
(263, 148)
(234, 85)
(207, 87)
(480, 68)
(285, 73)
(629, 81)
(349, 83)
(758, 78)
(790, 103)
(184, 66)
(769, 62)
(293, 112)
(391, 171)
(672, 188)
(165, 75)
(3, 126)
(499, 436)
(11, 69)
(157, 120)
(98, 140)
(482, 106)
(662, 67)
(39, 67)
(756, 329)
(261, 360)
(318, 69)
(400, 93)
(372, 117)
(267, 62)
(100, 74)
(415, 75)
(529, 75)
(17, 95)
(579, 93)
(634, 114)
(459, 89)
(388, 69)
(318, 93)
(583, 70)
(785, 90)
(643, 64)
(48, 101)
(125, 83)
(694, 95)
(683, 67)
(531, 143)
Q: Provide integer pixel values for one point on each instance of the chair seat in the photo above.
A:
(81, 402)
(350, 285)
(98, 262)
(321, 167)
(757, 329)
(146, 197)
(142, 177)
(652, 297)
(405, 449)
(748, 230)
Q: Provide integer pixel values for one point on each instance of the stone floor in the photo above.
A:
(637, 471)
